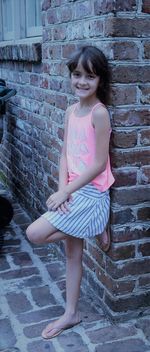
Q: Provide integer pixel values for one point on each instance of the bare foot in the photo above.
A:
(56, 327)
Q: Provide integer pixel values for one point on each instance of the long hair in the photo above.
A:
(92, 56)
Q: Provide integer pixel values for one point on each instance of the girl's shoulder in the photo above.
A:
(100, 115)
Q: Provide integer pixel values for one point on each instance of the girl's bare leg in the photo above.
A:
(74, 251)
(42, 232)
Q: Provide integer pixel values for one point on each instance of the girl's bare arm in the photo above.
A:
(63, 170)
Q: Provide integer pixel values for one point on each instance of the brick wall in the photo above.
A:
(34, 131)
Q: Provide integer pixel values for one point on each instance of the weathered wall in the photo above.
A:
(34, 131)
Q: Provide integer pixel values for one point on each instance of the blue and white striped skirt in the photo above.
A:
(88, 215)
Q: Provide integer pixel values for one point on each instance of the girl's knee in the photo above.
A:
(31, 233)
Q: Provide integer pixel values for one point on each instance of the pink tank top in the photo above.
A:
(81, 150)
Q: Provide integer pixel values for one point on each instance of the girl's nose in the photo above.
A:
(83, 80)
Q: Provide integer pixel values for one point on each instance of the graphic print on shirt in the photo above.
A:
(78, 148)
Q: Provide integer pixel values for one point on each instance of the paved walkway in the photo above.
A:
(32, 290)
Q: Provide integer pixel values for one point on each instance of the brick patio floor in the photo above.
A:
(32, 291)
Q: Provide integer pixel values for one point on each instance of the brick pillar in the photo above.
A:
(126, 271)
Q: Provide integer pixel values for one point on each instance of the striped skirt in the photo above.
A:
(88, 215)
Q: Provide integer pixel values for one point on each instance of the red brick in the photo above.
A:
(96, 253)
(46, 4)
(89, 262)
(47, 35)
(44, 83)
(115, 287)
(131, 117)
(102, 6)
(41, 314)
(5, 331)
(127, 27)
(54, 52)
(126, 51)
(40, 345)
(18, 302)
(143, 213)
(125, 304)
(52, 16)
(145, 137)
(67, 50)
(122, 216)
(124, 139)
(50, 98)
(145, 175)
(123, 95)
(128, 233)
(34, 80)
(145, 94)
(145, 6)
(46, 68)
(52, 184)
(96, 28)
(132, 268)
(121, 252)
(144, 281)
(82, 10)
(110, 333)
(33, 281)
(147, 49)
(44, 52)
(54, 172)
(125, 177)
(21, 259)
(65, 13)
(21, 273)
(56, 271)
(76, 342)
(130, 73)
(42, 296)
(134, 195)
(3, 261)
(60, 133)
(135, 157)
(132, 345)
(145, 247)
(59, 33)
(53, 157)
(61, 102)
(54, 84)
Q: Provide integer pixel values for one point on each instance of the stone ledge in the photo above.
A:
(21, 52)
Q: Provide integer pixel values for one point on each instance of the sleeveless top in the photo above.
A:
(81, 150)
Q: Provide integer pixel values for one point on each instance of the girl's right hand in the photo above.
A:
(64, 207)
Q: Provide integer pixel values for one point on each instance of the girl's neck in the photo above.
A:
(88, 103)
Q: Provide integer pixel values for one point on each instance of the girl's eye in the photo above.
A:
(76, 74)
(91, 77)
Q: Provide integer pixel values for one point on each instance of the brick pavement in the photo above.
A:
(32, 291)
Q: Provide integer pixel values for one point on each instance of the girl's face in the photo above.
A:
(85, 84)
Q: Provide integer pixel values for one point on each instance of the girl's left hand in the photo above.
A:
(56, 199)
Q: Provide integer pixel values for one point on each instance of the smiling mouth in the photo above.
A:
(81, 88)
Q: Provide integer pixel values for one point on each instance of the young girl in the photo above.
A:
(80, 207)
